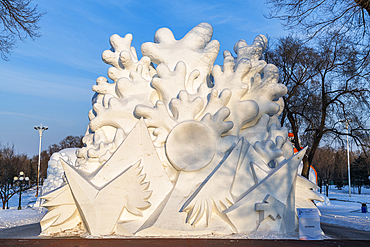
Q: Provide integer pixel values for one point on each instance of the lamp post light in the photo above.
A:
(40, 129)
(19, 180)
(349, 166)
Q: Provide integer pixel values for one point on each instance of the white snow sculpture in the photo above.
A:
(55, 169)
(182, 148)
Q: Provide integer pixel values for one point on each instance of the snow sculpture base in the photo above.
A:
(186, 148)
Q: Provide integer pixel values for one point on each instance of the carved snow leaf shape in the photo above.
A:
(156, 116)
(253, 53)
(136, 88)
(264, 132)
(104, 115)
(118, 112)
(218, 126)
(266, 92)
(104, 87)
(170, 83)
(100, 218)
(214, 192)
(216, 101)
(123, 58)
(231, 78)
(271, 150)
(195, 49)
(62, 211)
(184, 109)
(216, 123)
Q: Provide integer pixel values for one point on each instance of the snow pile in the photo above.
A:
(343, 210)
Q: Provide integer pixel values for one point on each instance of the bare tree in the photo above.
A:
(19, 20)
(11, 164)
(324, 161)
(316, 18)
(326, 82)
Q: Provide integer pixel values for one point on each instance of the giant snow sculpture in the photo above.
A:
(178, 146)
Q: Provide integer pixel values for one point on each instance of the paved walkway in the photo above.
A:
(27, 235)
(21, 232)
(340, 232)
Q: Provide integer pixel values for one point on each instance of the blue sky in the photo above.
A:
(49, 80)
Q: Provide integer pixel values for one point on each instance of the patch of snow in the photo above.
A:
(343, 210)
(28, 215)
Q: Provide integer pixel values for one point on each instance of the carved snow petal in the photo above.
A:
(123, 58)
(170, 83)
(157, 117)
(252, 52)
(183, 109)
(266, 91)
(195, 50)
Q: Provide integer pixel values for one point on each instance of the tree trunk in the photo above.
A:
(364, 4)
(306, 167)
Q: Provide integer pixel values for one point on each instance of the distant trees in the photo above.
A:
(360, 172)
(340, 173)
(331, 166)
(18, 20)
(324, 163)
(327, 81)
(11, 163)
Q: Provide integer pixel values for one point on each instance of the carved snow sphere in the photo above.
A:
(190, 146)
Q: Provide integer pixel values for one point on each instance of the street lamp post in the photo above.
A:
(19, 181)
(40, 129)
(349, 166)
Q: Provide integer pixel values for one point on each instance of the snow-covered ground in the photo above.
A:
(341, 210)
(13, 217)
